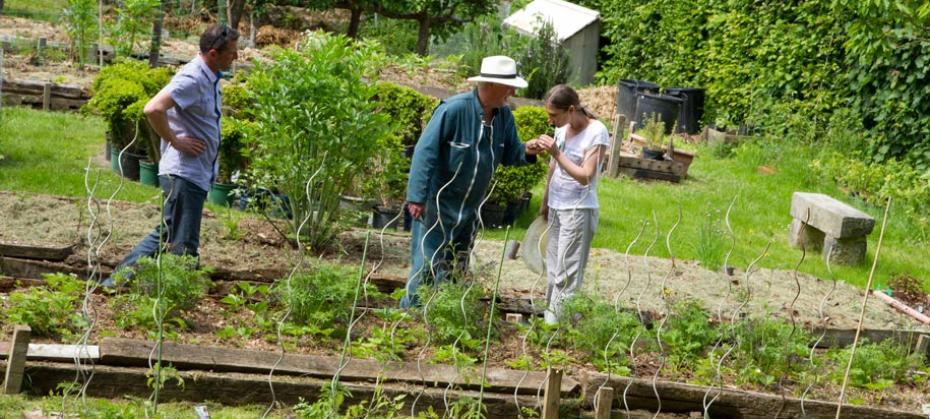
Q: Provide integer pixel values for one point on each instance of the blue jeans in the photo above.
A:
(180, 233)
(443, 249)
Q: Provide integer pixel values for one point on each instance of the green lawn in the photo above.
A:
(15, 406)
(48, 10)
(48, 152)
(760, 215)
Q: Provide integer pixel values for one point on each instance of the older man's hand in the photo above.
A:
(416, 210)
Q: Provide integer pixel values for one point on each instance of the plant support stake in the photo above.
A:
(865, 300)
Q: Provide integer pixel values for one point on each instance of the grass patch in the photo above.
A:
(47, 10)
(762, 176)
(48, 152)
(15, 406)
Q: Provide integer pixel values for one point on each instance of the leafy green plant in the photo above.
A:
(133, 19)
(321, 296)
(237, 136)
(455, 313)
(687, 333)
(81, 22)
(49, 310)
(876, 366)
(599, 331)
(316, 125)
(176, 281)
(545, 61)
(512, 183)
(388, 341)
(768, 350)
(119, 94)
(653, 132)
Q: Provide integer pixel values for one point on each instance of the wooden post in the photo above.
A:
(923, 347)
(613, 162)
(553, 390)
(16, 362)
(46, 96)
(605, 399)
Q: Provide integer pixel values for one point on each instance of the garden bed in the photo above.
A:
(256, 250)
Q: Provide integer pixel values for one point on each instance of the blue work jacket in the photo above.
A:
(456, 155)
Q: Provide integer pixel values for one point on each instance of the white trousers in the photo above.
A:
(570, 235)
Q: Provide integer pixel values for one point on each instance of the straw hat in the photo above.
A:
(501, 70)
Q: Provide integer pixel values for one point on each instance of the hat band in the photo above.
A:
(499, 76)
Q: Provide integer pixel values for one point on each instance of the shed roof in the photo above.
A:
(567, 18)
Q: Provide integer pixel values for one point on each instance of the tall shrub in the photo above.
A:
(544, 62)
(317, 127)
(133, 19)
(81, 22)
(514, 181)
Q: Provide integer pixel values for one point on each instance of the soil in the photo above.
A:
(22, 67)
(600, 100)
(650, 282)
(31, 29)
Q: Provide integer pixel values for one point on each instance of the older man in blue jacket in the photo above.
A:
(467, 137)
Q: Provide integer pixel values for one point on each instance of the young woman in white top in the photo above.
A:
(570, 201)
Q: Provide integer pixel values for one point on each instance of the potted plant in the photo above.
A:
(511, 192)
(386, 177)
(386, 181)
(119, 93)
(232, 154)
(653, 133)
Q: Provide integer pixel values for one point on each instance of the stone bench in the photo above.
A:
(823, 223)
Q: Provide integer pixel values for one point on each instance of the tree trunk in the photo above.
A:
(354, 22)
(235, 13)
(154, 49)
(221, 12)
(423, 35)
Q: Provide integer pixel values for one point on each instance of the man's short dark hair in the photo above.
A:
(216, 37)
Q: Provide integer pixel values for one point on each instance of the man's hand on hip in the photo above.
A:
(416, 210)
(188, 145)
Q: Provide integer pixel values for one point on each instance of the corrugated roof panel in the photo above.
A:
(567, 18)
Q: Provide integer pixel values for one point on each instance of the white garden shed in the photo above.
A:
(578, 29)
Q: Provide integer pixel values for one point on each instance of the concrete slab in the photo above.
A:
(830, 216)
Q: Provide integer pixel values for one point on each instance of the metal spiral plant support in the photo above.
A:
(616, 333)
(668, 311)
(720, 334)
(794, 323)
(287, 281)
(638, 304)
(487, 338)
(823, 330)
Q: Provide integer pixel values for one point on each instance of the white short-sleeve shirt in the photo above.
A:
(564, 191)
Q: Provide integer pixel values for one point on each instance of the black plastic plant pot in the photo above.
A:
(126, 165)
(627, 90)
(664, 106)
(692, 110)
(651, 154)
(385, 217)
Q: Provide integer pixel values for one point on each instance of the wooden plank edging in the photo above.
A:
(132, 352)
(680, 397)
(235, 389)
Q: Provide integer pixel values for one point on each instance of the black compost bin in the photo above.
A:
(666, 107)
(626, 95)
(692, 110)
